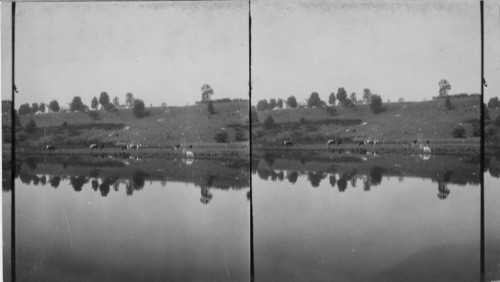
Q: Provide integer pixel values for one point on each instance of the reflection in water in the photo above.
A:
(400, 231)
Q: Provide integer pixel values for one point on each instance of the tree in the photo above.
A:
(31, 126)
(163, 104)
(262, 105)
(486, 113)
(272, 104)
(139, 109)
(493, 103)
(331, 99)
(210, 108)
(116, 102)
(367, 95)
(94, 103)
(444, 87)
(104, 99)
(41, 108)
(269, 122)
(401, 99)
(206, 92)
(240, 136)
(376, 104)
(77, 104)
(254, 115)
(279, 103)
(54, 106)
(341, 95)
(24, 109)
(314, 100)
(129, 100)
(353, 98)
(34, 107)
(458, 132)
(292, 102)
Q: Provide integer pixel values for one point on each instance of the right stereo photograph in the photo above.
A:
(368, 162)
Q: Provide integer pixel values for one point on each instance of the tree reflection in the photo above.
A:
(315, 178)
(333, 180)
(77, 182)
(281, 175)
(263, 174)
(206, 196)
(376, 174)
(367, 184)
(104, 188)
(25, 178)
(292, 177)
(139, 179)
(342, 184)
(32, 163)
(443, 191)
(95, 184)
(255, 165)
(249, 195)
(43, 180)
(54, 181)
(268, 157)
(36, 180)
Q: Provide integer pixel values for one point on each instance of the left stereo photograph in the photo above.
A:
(131, 141)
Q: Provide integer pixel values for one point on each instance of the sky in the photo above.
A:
(165, 51)
(397, 49)
(159, 51)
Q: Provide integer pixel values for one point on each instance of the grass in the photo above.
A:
(428, 120)
(164, 126)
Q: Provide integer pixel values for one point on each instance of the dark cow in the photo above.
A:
(191, 147)
(177, 146)
(49, 148)
(287, 144)
(340, 142)
(371, 142)
(101, 147)
(428, 142)
(361, 143)
(124, 147)
(414, 142)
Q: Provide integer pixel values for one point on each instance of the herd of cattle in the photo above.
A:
(423, 148)
(188, 153)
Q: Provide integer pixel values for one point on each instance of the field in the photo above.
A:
(162, 128)
(400, 123)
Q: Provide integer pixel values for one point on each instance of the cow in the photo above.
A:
(93, 146)
(49, 148)
(190, 147)
(101, 147)
(287, 144)
(177, 146)
(361, 143)
(330, 142)
(124, 147)
(425, 149)
(339, 142)
(414, 142)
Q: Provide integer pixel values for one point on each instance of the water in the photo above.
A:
(366, 221)
(177, 222)
(492, 223)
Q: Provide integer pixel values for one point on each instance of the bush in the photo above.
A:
(448, 104)
(493, 103)
(262, 105)
(331, 111)
(240, 136)
(476, 129)
(376, 104)
(269, 122)
(314, 100)
(255, 116)
(210, 108)
(458, 132)
(93, 115)
(139, 109)
(65, 125)
(110, 108)
(302, 120)
(497, 121)
(221, 136)
(31, 126)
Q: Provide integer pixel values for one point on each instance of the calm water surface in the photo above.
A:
(351, 225)
(81, 227)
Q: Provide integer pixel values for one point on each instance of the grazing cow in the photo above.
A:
(361, 143)
(124, 147)
(49, 148)
(93, 146)
(177, 146)
(189, 154)
(371, 142)
(428, 142)
(287, 144)
(134, 147)
(101, 147)
(340, 142)
(330, 142)
(425, 149)
(190, 147)
(414, 142)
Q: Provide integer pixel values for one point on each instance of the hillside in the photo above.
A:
(401, 122)
(163, 127)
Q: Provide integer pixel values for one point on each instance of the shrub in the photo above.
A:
(24, 109)
(302, 120)
(292, 102)
(493, 103)
(93, 115)
(255, 115)
(262, 105)
(65, 125)
(221, 137)
(269, 122)
(376, 104)
(331, 111)
(139, 109)
(210, 108)
(458, 132)
(31, 126)
(240, 136)
(447, 102)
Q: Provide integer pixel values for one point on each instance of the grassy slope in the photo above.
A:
(163, 127)
(494, 139)
(401, 122)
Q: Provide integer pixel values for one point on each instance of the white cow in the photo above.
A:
(425, 149)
